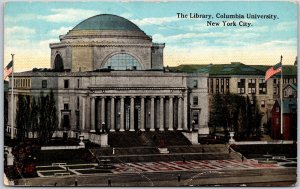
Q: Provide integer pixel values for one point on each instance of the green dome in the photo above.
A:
(106, 22)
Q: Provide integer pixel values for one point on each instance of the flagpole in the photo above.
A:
(12, 99)
(281, 99)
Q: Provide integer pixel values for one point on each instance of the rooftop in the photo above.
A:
(107, 22)
(235, 68)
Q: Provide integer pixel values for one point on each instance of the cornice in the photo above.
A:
(98, 44)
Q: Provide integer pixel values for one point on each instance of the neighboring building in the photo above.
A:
(289, 128)
(106, 72)
(245, 80)
(290, 91)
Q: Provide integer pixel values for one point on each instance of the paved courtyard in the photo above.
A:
(175, 166)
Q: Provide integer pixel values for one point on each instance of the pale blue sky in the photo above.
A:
(29, 27)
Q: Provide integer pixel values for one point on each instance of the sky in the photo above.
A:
(29, 27)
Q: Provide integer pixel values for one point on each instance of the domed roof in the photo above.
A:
(106, 22)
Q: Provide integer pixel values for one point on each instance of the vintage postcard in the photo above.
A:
(162, 94)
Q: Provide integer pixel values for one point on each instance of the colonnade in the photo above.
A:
(132, 113)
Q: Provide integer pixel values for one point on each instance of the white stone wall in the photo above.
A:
(201, 91)
(153, 83)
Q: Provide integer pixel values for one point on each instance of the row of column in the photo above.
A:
(182, 113)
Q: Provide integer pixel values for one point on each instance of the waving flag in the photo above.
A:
(273, 70)
(8, 69)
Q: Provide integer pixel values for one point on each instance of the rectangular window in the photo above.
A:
(77, 119)
(251, 86)
(44, 84)
(277, 109)
(217, 86)
(222, 86)
(78, 102)
(276, 120)
(274, 81)
(241, 86)
(262, 104)
(274, 90)
(262, 86)
(195, 100)
(195, 83)
(227, 86)
(78, 83)
(66, 84)
(211, 85)
(208, 86)
(66, 106)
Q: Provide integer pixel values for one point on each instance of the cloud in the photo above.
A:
(19, 18)
(280, 43)
(154, 21)
(175, 38)
(60, 31)
(255, 29)
(18, 32)
(286, 26)
(126, 15)
(45, 43)
(67, 15)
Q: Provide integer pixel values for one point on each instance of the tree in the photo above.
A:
(34, 116)
(22, 116)
(217, 119)
(248, 117)
(5, 110)
(53, 118)
(235, 112)
(47, 116)
(257, 116)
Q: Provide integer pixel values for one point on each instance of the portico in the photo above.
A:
(149, 109)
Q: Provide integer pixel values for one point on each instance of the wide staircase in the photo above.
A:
(152, 154)
(143, 147)
(150, 139)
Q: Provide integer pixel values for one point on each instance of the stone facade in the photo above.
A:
(116, 97)
(93, 97)
(265, 100)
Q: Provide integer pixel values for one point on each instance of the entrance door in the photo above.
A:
(195, 120)
(66, 122)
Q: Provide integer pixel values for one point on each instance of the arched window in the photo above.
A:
(58, 64)
(123, 61)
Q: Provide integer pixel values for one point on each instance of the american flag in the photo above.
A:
(8, 69)
(273, 70)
